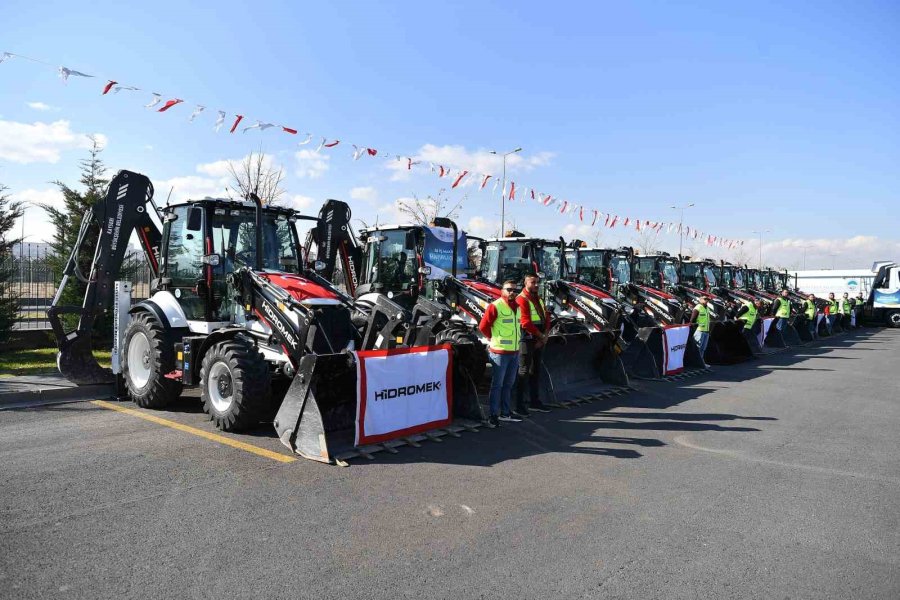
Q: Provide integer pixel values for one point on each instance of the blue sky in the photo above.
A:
(764, 116)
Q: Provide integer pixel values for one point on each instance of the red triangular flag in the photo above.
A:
(169, 104)
(615, 218)
(625, 222)
(458, 179)
(237, 120)
(484, 181)
(372, 151)
(289, 130)
(512, 190)
(442, 173)
(108, 86)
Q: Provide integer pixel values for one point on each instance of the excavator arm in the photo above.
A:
(125, 209)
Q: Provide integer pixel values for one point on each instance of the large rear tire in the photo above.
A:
(235, 384)
(149, 356)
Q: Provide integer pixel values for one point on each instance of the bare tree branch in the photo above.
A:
(424, 211)
(256, 174)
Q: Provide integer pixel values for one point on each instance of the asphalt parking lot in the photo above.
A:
(776, 478)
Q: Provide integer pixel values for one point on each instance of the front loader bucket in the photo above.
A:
(639, 360)
(752, 339)
(774, 339)
(727, 344)
(465, 392)
(76, 363)
(801, 324)
(580, 364)
(317, 416)
(790, 335)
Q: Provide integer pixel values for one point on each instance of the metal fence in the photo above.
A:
(35, 278)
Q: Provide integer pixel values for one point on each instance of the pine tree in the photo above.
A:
(67, 224)
(10, 212)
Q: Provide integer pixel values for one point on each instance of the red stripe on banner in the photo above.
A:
(169, 104)
(236, 121)
(362, 393)
(108, 86)
(289, 130)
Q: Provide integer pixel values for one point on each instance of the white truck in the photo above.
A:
(880, 285)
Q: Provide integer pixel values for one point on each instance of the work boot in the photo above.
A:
(494, 421)
(510, 419)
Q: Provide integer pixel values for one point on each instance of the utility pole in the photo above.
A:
(503, 191)
(760, 233)
(681, 225)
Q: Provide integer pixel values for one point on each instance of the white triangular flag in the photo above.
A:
(220, 120)
(65, 73)
(199, 109)
(258, 125)
(156, 100)
(307, 140)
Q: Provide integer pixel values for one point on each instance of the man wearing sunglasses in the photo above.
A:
(500, 325)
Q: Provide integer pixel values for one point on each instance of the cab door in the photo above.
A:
(184, 245)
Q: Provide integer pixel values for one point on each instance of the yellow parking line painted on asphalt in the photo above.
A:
(198, 432)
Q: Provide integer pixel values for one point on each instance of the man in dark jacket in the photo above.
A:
(535, 325)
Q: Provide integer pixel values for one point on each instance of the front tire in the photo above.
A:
(149, 356)
(893, 319)
(235, 384)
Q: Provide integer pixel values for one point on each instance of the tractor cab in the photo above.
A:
(658, 271)
(205, 241)
(699, 274)
(515, 257)
(605, 268)
(731, 277)
(392, 264)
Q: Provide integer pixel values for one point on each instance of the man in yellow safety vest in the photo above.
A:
(845, 307)
(749, 314)
(500, 325)
(831, 317)
(783, 311)
(700, 316)
(809, 311)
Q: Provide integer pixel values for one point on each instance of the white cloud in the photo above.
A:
(37, 222)
(458, 158)
(482, 227)
(310, 164)
(190, 187)
(41, 106)
(858, 252)
(367, 194)
(300, 202)
(579, 231)
(26, 143)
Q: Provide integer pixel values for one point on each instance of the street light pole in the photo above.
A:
(804, 255)
(760, 245)
(681, 225)
(503, 191)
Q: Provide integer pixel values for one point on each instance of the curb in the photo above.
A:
(55, 394)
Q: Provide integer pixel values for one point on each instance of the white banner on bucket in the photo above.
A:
(403, 391)
(764, 329)
(675, 341)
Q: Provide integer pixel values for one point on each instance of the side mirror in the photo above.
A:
(319, 266)
(195, 218)
(425, 271)
(211, 259)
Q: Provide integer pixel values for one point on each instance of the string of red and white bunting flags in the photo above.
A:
(159, 102)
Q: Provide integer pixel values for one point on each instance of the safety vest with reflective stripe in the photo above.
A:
(535, 315)
(832, 307)
(702, 317)
(845, 306)
(784, 308)
(810, 309)
(750, 315)
(506, 331)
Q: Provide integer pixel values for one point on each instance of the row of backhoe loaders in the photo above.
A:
(265, 323)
